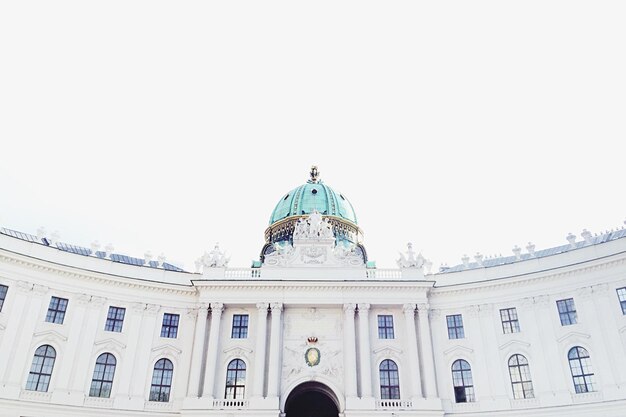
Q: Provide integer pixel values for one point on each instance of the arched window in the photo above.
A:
(389, 380)
(520, 377)
(161, 381)
(103, 373)
(580, 365)
(235, 380)
(462, 380)
(41, 369)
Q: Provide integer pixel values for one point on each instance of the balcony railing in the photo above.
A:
(384, 274)
(242, 273)
(230, 404)
(394, 404)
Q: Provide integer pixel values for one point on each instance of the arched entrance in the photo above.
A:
(312, 399)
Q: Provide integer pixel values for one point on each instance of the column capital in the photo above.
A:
(217, 308)
(601, 289)
(40, 289)
(584, 293)
(262, 307)
(542, 301)
(423, 308)
(97, 301)
(472, 310)
(138, 307)
(83, 299)
(24, 286)
(364, 307)
(277, 307)
(408, 309)
(152, 310)
(349, 308)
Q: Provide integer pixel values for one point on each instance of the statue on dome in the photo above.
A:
(326, 231)
(314, 227)
(314, 174)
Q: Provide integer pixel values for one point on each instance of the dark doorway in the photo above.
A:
(311, 399)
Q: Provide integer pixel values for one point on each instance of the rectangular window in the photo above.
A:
(3, 294)
(567, 311)
(510, 323)
(455, 326)
(240, 326)
(385, 326)
(621, 295)
(56, 310)
(115, 319)
(170, 325)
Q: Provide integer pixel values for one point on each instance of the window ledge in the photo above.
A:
(35, 396)
(99, 402)
(158, 405)
(469, 406)
(524, 403)
(586, 397)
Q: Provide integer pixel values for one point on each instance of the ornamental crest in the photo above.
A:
(312, 355)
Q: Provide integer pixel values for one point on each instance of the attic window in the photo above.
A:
(314, 191)
(286, 197)
(342, 197)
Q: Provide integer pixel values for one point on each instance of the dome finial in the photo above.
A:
(314, 174)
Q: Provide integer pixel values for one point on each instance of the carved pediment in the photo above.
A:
(387, 350)
(512, 343)
(458, 348)
(238, 351)
(167, 349)
(111, 344)
(50, 335)
(573, 335)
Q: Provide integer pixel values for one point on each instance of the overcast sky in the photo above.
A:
(462, 126)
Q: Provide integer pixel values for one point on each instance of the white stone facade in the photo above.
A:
(294, 306)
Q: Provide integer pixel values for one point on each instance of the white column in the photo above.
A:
(193, 390)
(125, 374)
(77, 313)
(544, 311)
(349, 350)
(82, 364)
(365, 350)
(601, 356)
(426, 346)
(499, 382)
(141, 363)
(606, 305)
(415, 389)
(21, 354)
(211, 360)
(25, 311)
(273, 383)
(259, 354)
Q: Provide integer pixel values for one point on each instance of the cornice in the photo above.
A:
(524, 279)
(310, 286)
(72, 272)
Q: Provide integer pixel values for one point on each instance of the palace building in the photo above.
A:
(312, 329)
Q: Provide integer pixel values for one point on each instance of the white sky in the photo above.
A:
(167, 126)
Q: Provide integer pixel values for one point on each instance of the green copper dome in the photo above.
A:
(314, 195)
